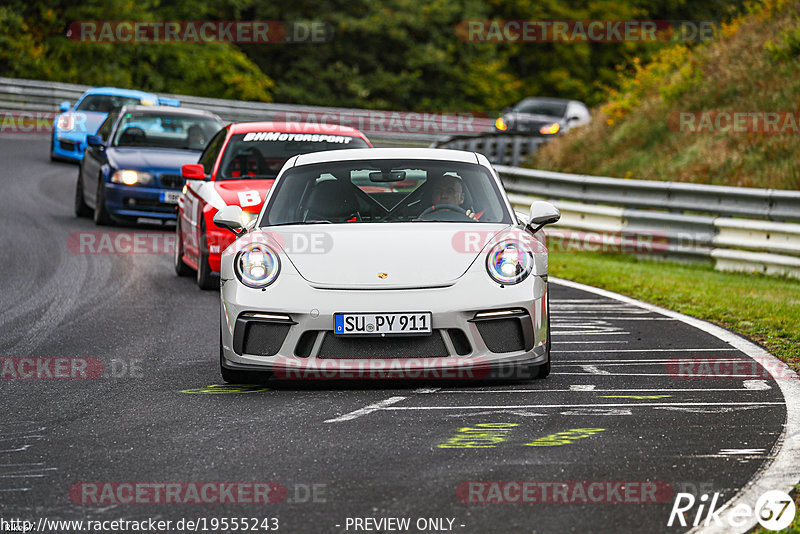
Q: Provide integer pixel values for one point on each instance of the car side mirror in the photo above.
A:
(64, 106)
(193, 171)
(542, 213)
(94, 140)
(230, 218)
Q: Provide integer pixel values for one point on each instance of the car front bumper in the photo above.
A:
(138, 201)
(288, 330)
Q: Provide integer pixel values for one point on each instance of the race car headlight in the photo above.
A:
(509, 263)
(128, 177)
(66, 122)
(257, 266)
(501, 124)
(550, 129)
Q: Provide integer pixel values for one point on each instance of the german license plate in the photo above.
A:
(390, 324)
(170, 197)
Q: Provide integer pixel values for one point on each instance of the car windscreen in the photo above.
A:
(164, 130)
(261, 155)
(538, 107)
(106, 103)
(386, 191)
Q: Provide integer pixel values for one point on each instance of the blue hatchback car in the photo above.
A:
(71, 127)
(132, 166)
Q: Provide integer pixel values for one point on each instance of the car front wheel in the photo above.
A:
(181, 269)
(81, 208)
(101, 216)
(205, 276)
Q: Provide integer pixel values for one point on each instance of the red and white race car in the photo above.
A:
(237, 167)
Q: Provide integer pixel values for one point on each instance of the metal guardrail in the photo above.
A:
(17, 94)
(499, 148)
(735, 228)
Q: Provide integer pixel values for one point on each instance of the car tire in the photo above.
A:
(101, 216)
(181, 269)
(206, 279)
(233, 376)
(544, 370)
(81, 208)
(53, 148)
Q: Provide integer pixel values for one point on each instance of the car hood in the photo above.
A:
(147, 159)
(84, 123)
(383, 256)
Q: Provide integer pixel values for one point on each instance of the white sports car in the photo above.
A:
(385, 263)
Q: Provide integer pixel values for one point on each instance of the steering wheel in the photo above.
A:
(447, 207)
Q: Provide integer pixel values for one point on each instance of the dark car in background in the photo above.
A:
(132, 166)
(543, 117)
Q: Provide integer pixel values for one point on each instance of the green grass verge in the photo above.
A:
(765, 309)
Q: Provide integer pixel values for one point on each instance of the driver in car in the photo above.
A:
(448, 189)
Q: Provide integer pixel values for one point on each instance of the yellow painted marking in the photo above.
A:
(639, 397)
(221, 389)
(480, 436)
(564, 438)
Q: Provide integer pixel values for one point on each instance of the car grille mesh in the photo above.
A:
(171, 181)
(339, 347)
(502, 335)
(264, 339)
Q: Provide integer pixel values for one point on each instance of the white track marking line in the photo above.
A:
(664, 375)
(782, 469)
(426, 390)
(594, 370)
(685, 359)
(580, 389)
(635, 363)
(596, 405)
(755, 385)
(593, 341)
(556, 319)
(589, 333)
(655, 350)
(382, 405)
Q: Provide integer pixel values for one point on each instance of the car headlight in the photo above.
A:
(501, 124)
(128, 177)
(550, 129)
(66, 122)
(257, 266)
(509, 263)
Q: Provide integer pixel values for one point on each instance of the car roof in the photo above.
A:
(116, 91)
(549, 99)
(293, 127)
(170, 110)
(441, 154)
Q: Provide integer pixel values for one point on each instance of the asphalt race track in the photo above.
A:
(618, 399)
